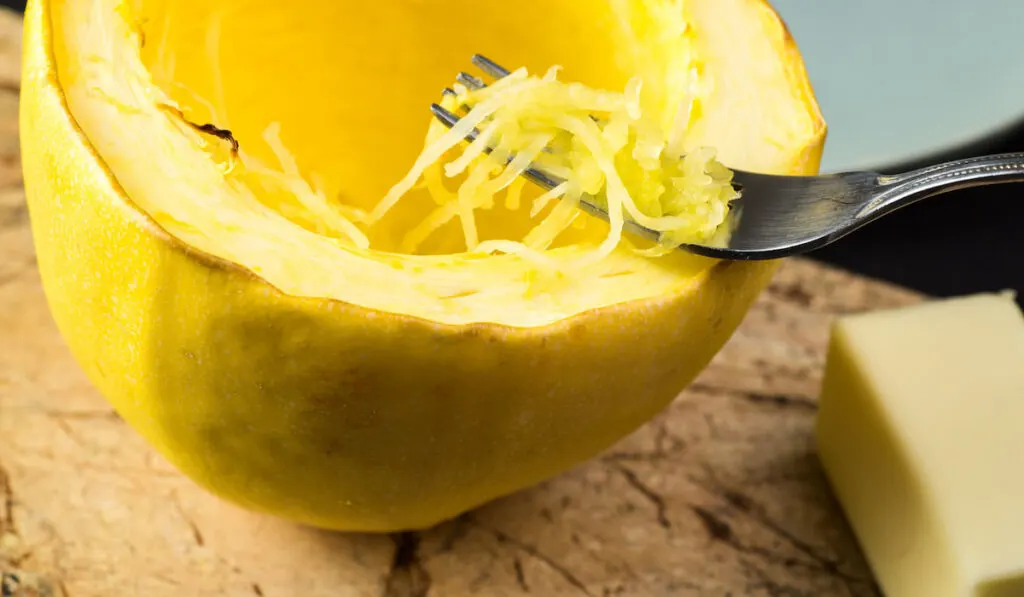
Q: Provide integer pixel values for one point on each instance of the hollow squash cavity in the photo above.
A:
(327, 102)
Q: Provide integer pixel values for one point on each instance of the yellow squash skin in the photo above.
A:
(320, 411)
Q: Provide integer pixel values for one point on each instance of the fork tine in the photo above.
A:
(449, 119)
(489, 66)
(537, 176)
(449, 92)
(470, 81)
(547, 181)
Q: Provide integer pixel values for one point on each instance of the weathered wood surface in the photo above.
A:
(721, 495)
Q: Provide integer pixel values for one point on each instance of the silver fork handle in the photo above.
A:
(899, 190)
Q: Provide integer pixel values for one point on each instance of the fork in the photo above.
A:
(781, 216)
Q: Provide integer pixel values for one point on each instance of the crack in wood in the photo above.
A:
(533, 552)
(761, 398)
(197, 535)
(69, 432)
(7, 500)
(517, 567)
(779, 400)
(457, 529)
(738, 500)
(656, 500)
(720, 529)
(825, 564)
(666, 446)
(407, 576)
(766, 585)
(747, 505)
(717, 529)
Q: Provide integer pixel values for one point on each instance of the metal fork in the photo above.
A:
(780, 216)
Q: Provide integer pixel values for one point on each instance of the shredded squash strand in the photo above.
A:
(610, 149)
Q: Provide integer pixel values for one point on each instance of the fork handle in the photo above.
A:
(895, 191)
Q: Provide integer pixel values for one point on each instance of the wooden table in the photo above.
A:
(721, 495)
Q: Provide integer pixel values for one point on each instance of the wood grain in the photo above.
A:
(721, 495)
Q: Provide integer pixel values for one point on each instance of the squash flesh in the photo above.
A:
(353, 144)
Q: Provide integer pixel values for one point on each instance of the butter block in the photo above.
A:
(921, 434)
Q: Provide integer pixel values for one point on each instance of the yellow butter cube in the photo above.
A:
(921, 433)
